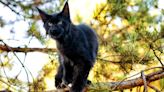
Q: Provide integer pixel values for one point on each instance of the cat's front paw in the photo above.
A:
(58, 83)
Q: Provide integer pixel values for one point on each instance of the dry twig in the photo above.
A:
(144, 81)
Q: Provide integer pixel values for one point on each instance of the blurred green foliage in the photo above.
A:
(130, 36)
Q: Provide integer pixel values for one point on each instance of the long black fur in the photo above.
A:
(77, 46)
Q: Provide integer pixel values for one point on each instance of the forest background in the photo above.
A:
(130, 36)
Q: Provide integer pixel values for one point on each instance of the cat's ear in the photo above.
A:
(43, 15)
(65, 11)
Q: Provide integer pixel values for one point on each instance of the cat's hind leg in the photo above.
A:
(81, 72)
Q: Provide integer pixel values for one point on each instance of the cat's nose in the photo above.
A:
(53, 31)
(53, 28)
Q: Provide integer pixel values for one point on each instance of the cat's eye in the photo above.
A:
(50, 24)
(60, 22)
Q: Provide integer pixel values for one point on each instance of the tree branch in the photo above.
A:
(144, 81)
(151, 47)
(18, 49)
(7, 5)
(135, 82)
(123, 84)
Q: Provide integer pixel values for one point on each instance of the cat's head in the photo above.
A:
(56, 24)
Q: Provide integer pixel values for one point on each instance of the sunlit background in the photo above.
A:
(15, 35)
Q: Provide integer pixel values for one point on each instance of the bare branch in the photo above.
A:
(151, 47)
(158, 58)
(18, 49)
(7, 5)
(144, 81)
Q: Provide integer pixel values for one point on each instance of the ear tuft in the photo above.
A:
(43, 15)
(65, 11)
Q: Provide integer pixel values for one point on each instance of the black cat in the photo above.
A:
(77, 46)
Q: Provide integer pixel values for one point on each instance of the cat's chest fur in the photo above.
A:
(74, 44)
